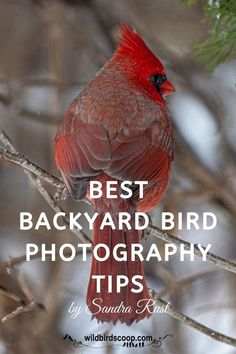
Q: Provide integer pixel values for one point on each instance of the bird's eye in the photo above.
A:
(158, 80)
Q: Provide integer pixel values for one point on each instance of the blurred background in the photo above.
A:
(49, 51)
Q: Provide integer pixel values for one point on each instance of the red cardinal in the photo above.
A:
(118, 129)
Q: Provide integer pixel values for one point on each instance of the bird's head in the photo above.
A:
(139, 63)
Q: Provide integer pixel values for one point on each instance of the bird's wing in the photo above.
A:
(81, 155)
(141, 155)
(88, 150)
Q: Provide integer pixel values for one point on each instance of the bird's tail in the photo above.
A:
(112, 305)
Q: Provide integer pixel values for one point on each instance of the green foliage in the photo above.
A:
(221, 42)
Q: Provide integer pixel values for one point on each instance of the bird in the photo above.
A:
(118, 129)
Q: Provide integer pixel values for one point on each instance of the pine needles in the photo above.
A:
(221, 42)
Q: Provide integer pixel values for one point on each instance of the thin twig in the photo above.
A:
(173, 312)
(28, 303)
(212, 258)
(9, 294)
(20, 159)
(17, 311)
(13, 261)
(53, 204)
(34, 172)
(23, 285)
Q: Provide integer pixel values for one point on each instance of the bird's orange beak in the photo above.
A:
(167, 88)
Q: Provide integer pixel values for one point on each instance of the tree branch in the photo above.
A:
(21, 160)
(212, 258)
(34, 172)
(53, 204)
(173, 312)
(27, 303)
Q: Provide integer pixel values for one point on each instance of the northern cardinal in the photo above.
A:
(118, 129)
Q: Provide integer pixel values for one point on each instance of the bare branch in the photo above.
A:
(20, 159)
(28, 303)
(9, 294)
(192, 323)
(14, 261)
(212, 258)
(18, 310)
(34, 173)
(53, 204)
